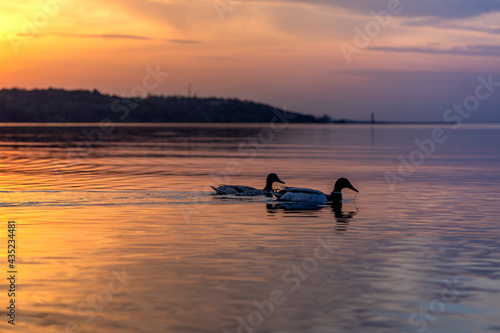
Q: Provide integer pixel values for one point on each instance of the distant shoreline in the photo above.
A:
(83, 106)
(58, 107)
(219, 124)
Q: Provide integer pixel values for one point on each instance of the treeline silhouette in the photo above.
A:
(57, 105)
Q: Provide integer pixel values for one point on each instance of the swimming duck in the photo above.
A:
(296, 194)
(249, 191)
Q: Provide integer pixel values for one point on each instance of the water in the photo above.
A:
(124, 235)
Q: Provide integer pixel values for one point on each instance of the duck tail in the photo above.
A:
(217, 190)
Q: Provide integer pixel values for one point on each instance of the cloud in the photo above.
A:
(183, 41)
(448, 9)
(481, 26)
(470, 50)
(108, 36)
(314, 19)
(422, 8)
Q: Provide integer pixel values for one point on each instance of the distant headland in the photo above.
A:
(78, 106)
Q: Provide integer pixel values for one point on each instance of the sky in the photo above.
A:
(408, 60)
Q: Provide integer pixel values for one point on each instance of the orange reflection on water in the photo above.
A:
(128, 241)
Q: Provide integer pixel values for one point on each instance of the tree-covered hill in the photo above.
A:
(55, 105)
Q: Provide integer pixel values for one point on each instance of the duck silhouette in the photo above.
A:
(296, 194)
(242, 190)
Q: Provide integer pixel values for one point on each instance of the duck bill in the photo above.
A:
(280, 181)
(352, 188)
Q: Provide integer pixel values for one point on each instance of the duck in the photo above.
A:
(296, 194)
(242, 190)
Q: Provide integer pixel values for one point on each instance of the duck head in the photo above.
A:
(340, 184)
(271, 178)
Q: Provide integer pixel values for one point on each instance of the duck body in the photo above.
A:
(242, 190)
(296, 194)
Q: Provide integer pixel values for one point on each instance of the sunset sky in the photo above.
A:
(283, 52)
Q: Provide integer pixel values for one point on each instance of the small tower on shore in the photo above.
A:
(373, 118)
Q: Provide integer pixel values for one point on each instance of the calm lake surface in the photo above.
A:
(124, 234)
